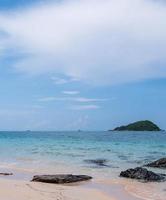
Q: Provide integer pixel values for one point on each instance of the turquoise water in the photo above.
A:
(70, 149)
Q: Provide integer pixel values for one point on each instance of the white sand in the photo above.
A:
(19, 187)
(24, 190)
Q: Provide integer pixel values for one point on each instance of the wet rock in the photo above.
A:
(98, 162)
(6, 174)
(61, 178)
(161, 163)
(142, 174)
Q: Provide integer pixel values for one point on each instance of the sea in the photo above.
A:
(74, 151)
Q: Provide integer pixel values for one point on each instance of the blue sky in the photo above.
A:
(91, 65)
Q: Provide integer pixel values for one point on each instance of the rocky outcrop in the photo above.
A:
(161, 163)
(143, 174)
(61, 178)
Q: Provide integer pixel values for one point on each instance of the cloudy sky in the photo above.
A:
(81, 64)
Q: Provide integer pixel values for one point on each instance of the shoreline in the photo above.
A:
(110, 188)
(98, 189)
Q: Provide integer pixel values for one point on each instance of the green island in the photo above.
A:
(145, 125)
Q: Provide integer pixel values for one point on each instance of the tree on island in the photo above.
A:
(145, 125)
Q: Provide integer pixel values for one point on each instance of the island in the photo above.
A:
(145, 125)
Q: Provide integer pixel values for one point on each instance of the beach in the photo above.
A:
(83, 100)
(19, 186)
(12, 189)
(102, 155)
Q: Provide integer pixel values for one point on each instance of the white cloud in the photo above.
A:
(84, 107)
(59, 81)
(84, 100)
(48, 99)
(98, 42)
(70, 92)
(75, 99)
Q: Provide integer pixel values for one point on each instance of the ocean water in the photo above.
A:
(67, 151)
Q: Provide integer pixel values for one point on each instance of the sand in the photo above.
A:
(19, 187)
(25, 190)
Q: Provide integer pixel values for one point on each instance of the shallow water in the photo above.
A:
(72, 148)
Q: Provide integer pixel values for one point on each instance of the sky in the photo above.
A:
(82, 64)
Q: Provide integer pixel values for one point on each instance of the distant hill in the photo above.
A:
(145, 125)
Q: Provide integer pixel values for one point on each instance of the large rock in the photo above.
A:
(142, 174)
(60, 178)
(161, 163)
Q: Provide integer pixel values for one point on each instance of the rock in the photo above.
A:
(161, 163)
(60, 178)
(98, 162)
(142, 174)
(145, 125)
(6, 174)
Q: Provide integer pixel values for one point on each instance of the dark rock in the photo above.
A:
(60, 178)
(142, 174)
(161, 163)
(98, 162)
(6, 174)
